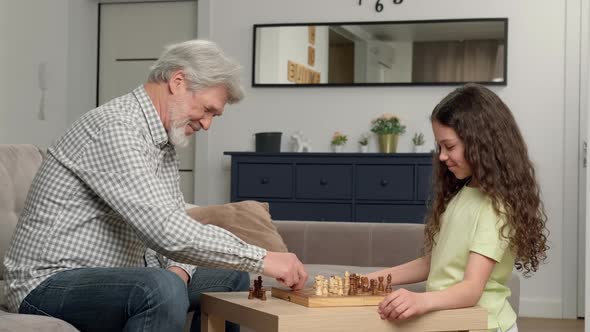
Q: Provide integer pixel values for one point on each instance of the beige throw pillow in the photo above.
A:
(248, 220)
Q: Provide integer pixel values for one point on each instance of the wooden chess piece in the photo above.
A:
(250, 293)
(260, 290)
(388, 282)
(318, 287)
(365, 284)
(373, 287)
(346, 283)
(380, 287)
(389, 288)
(263, 291)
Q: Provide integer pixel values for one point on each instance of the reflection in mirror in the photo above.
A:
(381, 53)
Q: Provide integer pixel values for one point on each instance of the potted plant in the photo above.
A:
(338, 141)
(418, 142)
(388, 128)
(364, 142)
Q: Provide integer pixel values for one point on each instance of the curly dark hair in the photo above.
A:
(497, 154)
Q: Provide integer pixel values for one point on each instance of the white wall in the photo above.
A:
(535, 93)
(29, 37)
(33, 32)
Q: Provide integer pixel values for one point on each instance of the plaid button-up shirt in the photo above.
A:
(107, 191)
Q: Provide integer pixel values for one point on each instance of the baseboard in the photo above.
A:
(540, 307)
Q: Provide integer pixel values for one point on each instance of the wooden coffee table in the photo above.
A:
(274, 315)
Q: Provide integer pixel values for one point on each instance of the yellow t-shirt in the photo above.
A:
(470, 223)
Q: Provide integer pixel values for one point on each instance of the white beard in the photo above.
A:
(176, 135)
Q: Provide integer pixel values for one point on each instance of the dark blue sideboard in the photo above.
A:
(361, 187)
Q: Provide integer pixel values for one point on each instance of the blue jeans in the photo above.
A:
(128, 299)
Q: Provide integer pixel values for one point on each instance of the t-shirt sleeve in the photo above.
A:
(487, 240)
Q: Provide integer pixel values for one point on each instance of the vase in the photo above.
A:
(337, 148)
(364, 148)
(387, 143)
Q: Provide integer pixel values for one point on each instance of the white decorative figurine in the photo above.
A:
(301, 144)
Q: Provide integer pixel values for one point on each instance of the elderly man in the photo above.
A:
(108, 192)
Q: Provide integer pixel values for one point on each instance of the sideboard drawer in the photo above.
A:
(265, 180)
(324, 181)
(311, 211)
(390, 213)
(385, 182)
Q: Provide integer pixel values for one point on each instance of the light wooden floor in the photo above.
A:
(550, 325)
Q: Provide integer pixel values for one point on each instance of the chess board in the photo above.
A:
(306, 297)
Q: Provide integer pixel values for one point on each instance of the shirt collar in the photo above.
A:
(157, 130)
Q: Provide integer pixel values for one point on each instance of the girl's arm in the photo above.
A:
(411, 272)
(403, 304)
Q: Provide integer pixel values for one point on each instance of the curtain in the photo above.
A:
(457, 61)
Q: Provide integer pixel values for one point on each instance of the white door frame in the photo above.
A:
(572, 188)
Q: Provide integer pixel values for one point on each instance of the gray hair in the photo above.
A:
(204, 66)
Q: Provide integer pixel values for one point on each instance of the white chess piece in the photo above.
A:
(318, 288)
(319, 284)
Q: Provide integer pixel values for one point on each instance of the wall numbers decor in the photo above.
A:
(379, 5)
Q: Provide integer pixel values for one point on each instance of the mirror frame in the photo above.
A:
(504, 20)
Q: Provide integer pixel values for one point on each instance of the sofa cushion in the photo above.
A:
(352, 244)
(18, 165)
(395, 245)
(31, 323)
(248, 220)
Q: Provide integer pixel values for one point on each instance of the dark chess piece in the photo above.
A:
(365, 283)
(380, 287)
(373, 287)
(257, 291)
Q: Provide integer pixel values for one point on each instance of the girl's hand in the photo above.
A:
(403, 304)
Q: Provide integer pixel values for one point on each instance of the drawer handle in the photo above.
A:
(384, 183)
(264, 181)
(323, 181)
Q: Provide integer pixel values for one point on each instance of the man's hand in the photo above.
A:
(286, 268)
(403, 304)
(180, 272)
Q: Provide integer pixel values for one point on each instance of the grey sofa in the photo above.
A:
(325, 247)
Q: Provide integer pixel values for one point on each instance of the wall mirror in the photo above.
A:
(436, 52)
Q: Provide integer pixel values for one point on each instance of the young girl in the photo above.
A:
(486, 215)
